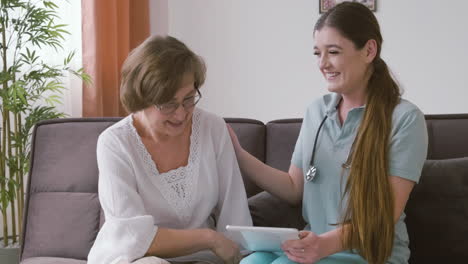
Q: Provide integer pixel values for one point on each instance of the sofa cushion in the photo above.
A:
(64, 157)
(447, 136)
(49, 260)
(268, 210)
(61, 224)
(62, 208)
(437, 213)
(281, 137)
(251, 135)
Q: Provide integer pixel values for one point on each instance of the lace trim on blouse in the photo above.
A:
(178, 185)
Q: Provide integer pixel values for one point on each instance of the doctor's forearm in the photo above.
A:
(272, 180)
(331, 242)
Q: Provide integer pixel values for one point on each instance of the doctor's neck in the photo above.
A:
(352, 100)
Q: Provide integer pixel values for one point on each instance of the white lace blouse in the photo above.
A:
(137, 199)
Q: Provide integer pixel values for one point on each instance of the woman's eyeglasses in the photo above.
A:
(188, 103)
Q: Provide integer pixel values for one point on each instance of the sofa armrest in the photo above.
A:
(268, 210)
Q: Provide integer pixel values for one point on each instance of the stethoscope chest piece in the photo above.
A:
(310, 175)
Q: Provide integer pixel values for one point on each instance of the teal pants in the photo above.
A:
(266, 258)
(278, 258)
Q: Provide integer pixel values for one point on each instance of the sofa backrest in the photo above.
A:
(62, 207)
(251, 134)
(448, 136)
(63, 214)
(437, 210)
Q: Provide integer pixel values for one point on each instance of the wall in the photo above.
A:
(260, 58)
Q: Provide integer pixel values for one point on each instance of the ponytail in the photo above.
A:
(370, 207)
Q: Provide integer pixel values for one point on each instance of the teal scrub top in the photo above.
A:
(322, 203)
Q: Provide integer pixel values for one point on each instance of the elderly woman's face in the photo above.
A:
(176, 122)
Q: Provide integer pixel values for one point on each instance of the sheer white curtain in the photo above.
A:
(70, 14)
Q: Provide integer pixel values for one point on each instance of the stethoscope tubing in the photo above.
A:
(315, 141)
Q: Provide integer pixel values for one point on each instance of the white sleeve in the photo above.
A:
(128, 230)
(232, 207)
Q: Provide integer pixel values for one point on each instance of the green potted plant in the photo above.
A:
(29, 91)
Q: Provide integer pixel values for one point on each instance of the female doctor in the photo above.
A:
(360, 151)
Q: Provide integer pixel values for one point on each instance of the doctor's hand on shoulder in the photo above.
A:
(309, 248)
(235, 140)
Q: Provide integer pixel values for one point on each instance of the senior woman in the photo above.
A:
(169, 181)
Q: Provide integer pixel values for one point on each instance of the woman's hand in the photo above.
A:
(305, 250)
(225, 248)
(234, 139)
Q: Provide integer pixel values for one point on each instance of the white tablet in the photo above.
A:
(257, 238)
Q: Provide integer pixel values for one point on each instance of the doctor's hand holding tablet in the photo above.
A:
(294, 243)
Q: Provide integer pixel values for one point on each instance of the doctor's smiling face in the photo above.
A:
(345, 68)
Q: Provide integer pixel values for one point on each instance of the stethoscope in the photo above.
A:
(312, 172)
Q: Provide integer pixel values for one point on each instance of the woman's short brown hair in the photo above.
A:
(153, 72)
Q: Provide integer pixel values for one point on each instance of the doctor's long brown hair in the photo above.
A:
(369, 212)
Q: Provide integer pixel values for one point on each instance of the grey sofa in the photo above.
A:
(63, 214)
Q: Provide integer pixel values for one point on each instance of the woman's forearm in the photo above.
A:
(169, 243)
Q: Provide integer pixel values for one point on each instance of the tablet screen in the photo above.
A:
(261, 238)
